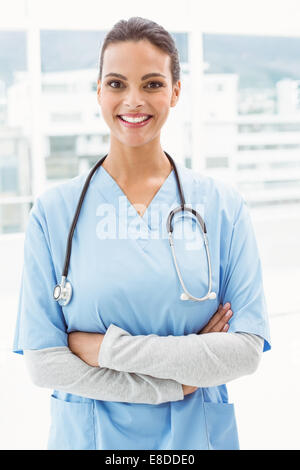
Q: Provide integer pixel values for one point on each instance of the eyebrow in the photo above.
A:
(148, 75)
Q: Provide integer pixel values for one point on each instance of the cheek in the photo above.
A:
(163, 108)
(162, 104)
(108, 104)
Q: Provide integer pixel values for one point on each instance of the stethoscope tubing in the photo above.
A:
(63, 291)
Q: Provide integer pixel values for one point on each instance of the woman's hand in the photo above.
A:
(218, 323)
(86, 346)
(187, 389)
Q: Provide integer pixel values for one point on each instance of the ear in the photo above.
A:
(175, 93)
(99, 92)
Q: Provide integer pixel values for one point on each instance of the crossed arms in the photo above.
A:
(147, 368)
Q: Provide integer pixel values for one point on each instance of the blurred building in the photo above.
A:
(220, 103)
(258, 153)
(15, 180)
(268, 159)
(3, 104)
(257, 101)
(288, 97)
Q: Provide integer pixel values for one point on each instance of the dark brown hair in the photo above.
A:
(137, 29)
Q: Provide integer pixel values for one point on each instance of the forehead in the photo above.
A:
(141, 56)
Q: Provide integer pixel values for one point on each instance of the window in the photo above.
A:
(217, 162)
(15, 158)
(269, 147)
(247, 166)
(272, 127)
(62, 144)
(285, 164)
(66, 117)
(188, 162)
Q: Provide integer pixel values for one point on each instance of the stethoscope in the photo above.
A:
(62, 292)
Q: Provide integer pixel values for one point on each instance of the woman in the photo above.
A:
(132, 364)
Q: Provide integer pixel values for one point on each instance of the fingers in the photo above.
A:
(225, 327)
(217, 316)
(222, 310)
(219, 321)
(222, 325)
(188, 389)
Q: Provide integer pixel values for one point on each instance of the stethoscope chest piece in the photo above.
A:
(62, 292)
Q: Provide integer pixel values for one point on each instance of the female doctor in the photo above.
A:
(134, 332)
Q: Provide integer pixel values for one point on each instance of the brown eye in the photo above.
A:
(113, 81)
(156, 83)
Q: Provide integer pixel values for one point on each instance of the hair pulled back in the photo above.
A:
(137, 29)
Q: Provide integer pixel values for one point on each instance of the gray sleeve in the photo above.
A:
(203, 360)
(58, 368)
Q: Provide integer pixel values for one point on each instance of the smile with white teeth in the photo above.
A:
(133, 120)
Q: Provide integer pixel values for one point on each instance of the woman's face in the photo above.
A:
(133, 93)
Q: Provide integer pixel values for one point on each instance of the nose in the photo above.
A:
(133, 99)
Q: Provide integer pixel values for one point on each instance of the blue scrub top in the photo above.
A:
(122, 272)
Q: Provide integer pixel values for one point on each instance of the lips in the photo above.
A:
(134, 115)
(134, 124)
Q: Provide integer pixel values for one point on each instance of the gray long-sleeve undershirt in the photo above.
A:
(58, 368)
(147, 369)
(204, 360)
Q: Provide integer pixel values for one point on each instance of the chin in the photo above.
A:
(135, 142)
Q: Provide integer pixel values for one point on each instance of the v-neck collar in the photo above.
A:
(152, 225)
(111, 191)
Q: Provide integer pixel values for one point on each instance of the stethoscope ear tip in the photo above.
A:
(184, 296)
(212, 295)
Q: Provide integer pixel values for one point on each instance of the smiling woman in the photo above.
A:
(135, 364)
(127, 103)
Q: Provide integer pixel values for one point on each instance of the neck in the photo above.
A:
(131, 164)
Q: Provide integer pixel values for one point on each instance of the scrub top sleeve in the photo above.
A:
(243, 283)
(40, 321)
